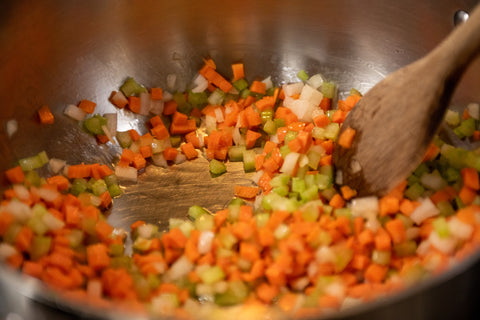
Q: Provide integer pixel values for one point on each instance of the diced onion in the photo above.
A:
(108, 134)
(292, 88)
(75, 112)
(446, 245)
(219, 115)
(11, 127)
(201, 84)
(144, 103)
(48, 194)
(289, 163)
(56, 165)
(210, 123)
(167, 96)
(325, 254)
(159, 160)
(111, 123)
(180, 158)
(6, 250)
(21, 191)
(474, 110)
(205, 242)
(315, 81)
(157, 106)
(460, 229)
(146, 231)
(268, 82)
(362, 206)
(425, 210)
(237, 136)
(19, 210)
(94, 288)
(311, 94)
(126, 173)
(171, 81)
(179, 268)
(52, 222)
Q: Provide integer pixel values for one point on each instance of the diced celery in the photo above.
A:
(329, 89)
(343, 212)
(204, 223)
(37, 225)
(421, 169)
(88, 226)
(153, 281)
(412, 179)
(99, 187)
(440, 226)
(40, 247)
(211, 275)
(236, 201)
(233, 212)
(116, 249)
(124, 139)
(195, 211)
(269, 127)
(281, 190)
(311, 193)
(298, 185)
(197, 98)
(32, 178)
(236, 293)
(79, 185)
(280, 180)
(302, 75)
(111, 179)
(318, 133)
(270, 91)
(302, 171)
(473, 160)
(240, 84)
(216, 97)
(310, 212)
(323, 181)
(354, 91)
(405, 249)
(466, 128)
(142, 244)
(33, 162)
(114, 190)
(343, 256)
(456, 157)
(279, 122)
(227, 239)
(94, 124)
(249, 160)
(407, 221)
(433, 181)
(11, 233)
(76, 238)
(217, 168)
(175, 141)
(261, 219)
(121, 262)
(414, 191)
(130, 87)
(235, 153)
(329, 193)
(332, 130)
(445, 208)
(290, 136)
(381, 257)
(245, 93)
(266, 115)
(313, 159)
(284, 150)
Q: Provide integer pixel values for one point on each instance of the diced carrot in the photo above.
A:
(138, 161)
(322, 120)
(106, 199)
(326, 104)
(366, 237)
(470, 178)
(45, 115)
(242, 230)
(174, 239)
(467, 195)
(251, 137)
(431, 153)
(79, 171)
(347, 192)
(118, 99)
(137, 224)
(87, 106)
(156, 93)
(170, 153)
(134, 104)
(326, 160)
(375, 273)
(407, 206)
(6, 219)
(466, 115)
(189, 150)
(238, 71)
(34, 269)
(266, 292)
(61, 182)
(383, 240)
(179, 128)
(192, 138)
(134, 134)
(23, 239)
(146, 151)
(346, 138)
(249, 251)
(160, 132)
(15, 175)
(170, 107)
(388, 205)
(396, 229)
(253, 117)
(97, 256)
(328, 301)
(127, 155)
(476, 135)
(267, 102)
(339, 116)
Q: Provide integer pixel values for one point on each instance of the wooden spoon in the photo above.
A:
(396, 120)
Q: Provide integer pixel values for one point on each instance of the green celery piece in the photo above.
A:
(130, 87)
(459, 203)
(237, 201)
(290, 136)
(116, 249)
(227, 239)
(445, 208)
(204, 222)
(115, 190)
(327, 170)
(310, 180)
(94, 124)
(111, 179)
(270, 91)
(343, 256)
(235, 153)
(153, 281)
(381, 257)
(233, 212)
(412, 179)
(313, 159)
(76, 238)
(195, 211)
(354, 91)
(440, 226)
(244, 93)
(405, 249)
(197, 98)
(236, 293)
(323, 238)
(279, 122)
(33, 178)
(88, 226)
(240, 84)
(473, 160)
(281, 190)
(298, 185)
(330, 113)
(269, 127)
(407, 221)
(124, 139)
(99, 187)
(318, 133)
(311, 193)
(414, 191)
(343, 212)
(302, 75)
(37, 225)
(141, 244)
(261, 219)
(175, 141)
(421, 169)
(249, 160)
(329, 89)
(310, 211)
(456, 157)
(217, 168)
(79, 185)
(121, 262)
(212, 275)
(332, 130)
(40, 247)
(43, 157)
(33, 162)
(266, 115)
(11, 233)
(466, 128)
(323, 181)
(284, 150)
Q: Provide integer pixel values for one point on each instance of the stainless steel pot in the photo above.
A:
(59, 52)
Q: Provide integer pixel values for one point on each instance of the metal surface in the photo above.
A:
(59, 52)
